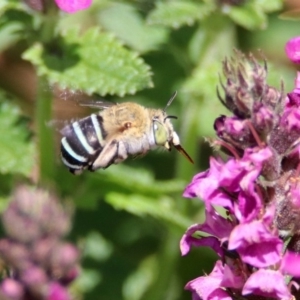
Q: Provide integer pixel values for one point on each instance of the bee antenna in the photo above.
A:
(171, 100)
(170, 117)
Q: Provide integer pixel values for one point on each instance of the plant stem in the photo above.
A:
(44, 131)
(43, 112)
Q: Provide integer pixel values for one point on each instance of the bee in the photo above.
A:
(116, 132)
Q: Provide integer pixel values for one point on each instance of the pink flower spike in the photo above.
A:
(72, 6)
(292, 49)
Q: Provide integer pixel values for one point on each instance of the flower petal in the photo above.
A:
(292, 49)
(267, 283)
(72, 6)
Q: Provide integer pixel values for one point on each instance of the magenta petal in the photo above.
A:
(217, 225)
(291, 264)
(191, 191)
(208, 287)
(249, 205)
(188, 240)
(267, 283)
(255, 244)
(72, 6)
(292, 49)
(58, 292)
(232, 279)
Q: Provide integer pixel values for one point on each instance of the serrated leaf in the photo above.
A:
(15, 22)
(93, 63)
(14, 12)
(127, 24)
(162, 208)
(248, 16)
(16, 150)
(178, 13)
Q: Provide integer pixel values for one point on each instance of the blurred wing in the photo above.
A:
(58, 125)
(97, 104)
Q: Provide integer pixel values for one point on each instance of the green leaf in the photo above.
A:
(178, 13)
(268, 5)
(162, 208)
(141, 279)
(207, 78)
(127, 24)
(16, 149)
(122, 179)
(97, 247)
(138, 180)
(15, 22)
(15, 12)
(93, 63)
(248, 16)
(88, 280)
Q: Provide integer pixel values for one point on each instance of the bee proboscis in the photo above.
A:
(116, 132)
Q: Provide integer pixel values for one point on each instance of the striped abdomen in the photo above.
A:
(82, 142)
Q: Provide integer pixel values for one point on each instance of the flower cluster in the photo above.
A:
(40, 265)
(256, 233)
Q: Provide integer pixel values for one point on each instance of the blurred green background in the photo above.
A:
(128, 219)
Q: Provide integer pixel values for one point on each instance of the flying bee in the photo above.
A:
(116, 132)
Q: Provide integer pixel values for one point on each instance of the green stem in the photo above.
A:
(43, 115)
(44, 132)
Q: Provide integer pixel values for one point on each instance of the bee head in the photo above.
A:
(162, 128)
(164, 134)
(160, 133)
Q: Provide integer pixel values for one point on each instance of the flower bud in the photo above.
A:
(35, 279)
(34, 210)
(57, 292)
(11, 289)
(62, 258)
(14, 254)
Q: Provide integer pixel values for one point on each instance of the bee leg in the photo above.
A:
(113, 153)
(121, 153)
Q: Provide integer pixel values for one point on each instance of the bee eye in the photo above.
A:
(160, 133)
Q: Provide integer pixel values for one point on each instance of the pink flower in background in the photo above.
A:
(41, 263)
(72, 6)
(292, 49)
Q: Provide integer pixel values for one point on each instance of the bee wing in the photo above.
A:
(97, 104)
(59, 125)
